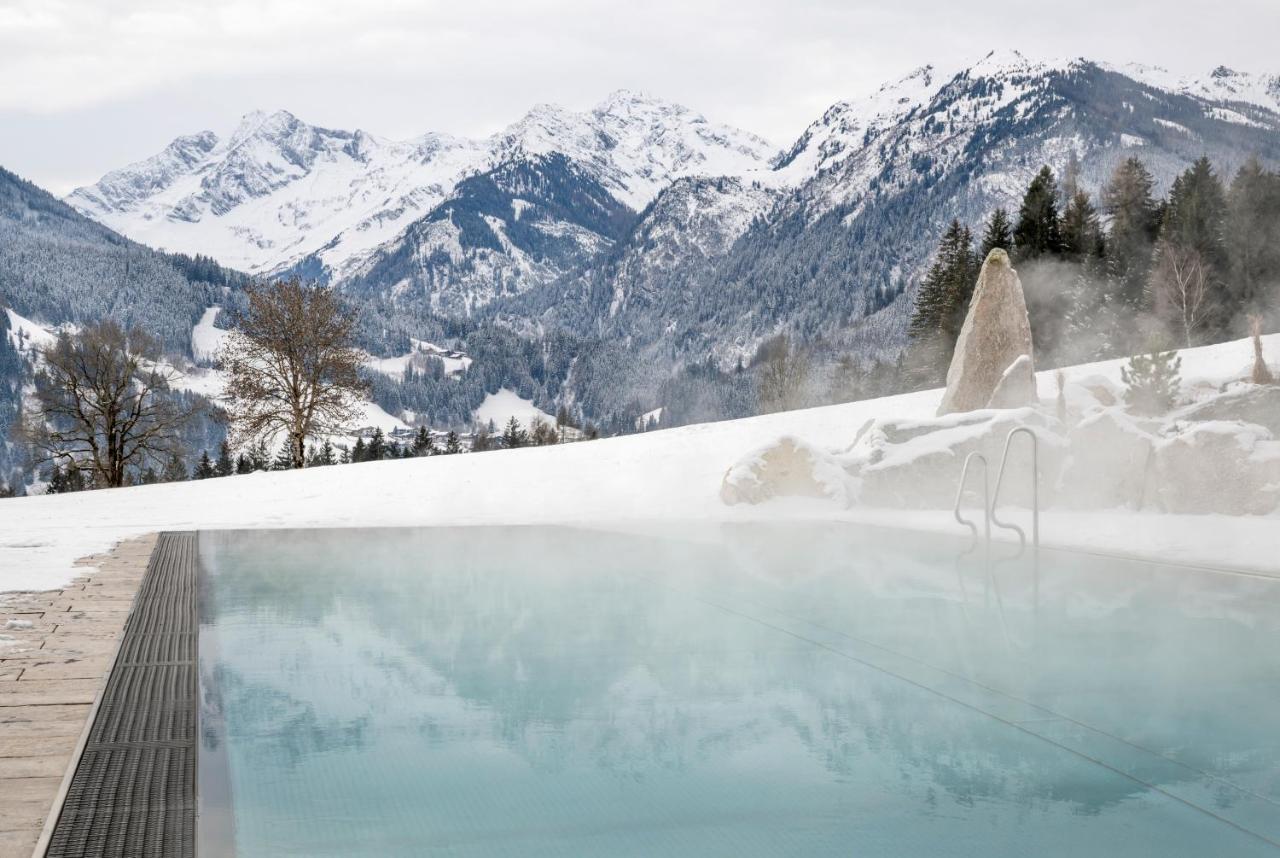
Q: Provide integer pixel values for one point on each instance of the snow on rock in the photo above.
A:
(498, 408)
(1225, 466)
(788, 467)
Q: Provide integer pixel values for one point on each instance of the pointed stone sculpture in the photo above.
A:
(993, 353)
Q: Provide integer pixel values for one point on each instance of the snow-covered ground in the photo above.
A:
(206, 340)
(500, 407)
(454, 361)
(668, 475)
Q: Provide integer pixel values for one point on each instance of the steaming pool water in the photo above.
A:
(735, 690)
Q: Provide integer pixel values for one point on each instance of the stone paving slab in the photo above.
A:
(18, 844)
(50, 675)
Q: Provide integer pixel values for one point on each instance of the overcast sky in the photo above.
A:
(89, 85)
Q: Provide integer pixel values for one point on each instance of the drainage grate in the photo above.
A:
(134, 790)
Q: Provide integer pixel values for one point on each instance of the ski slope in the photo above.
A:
(668, 475)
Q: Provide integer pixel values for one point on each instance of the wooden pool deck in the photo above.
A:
(50, 675)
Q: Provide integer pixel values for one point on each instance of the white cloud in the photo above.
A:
(131, 74)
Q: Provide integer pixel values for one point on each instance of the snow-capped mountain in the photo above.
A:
(641, 222)
(279, 193)
(858, 202)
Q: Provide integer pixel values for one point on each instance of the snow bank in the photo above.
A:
(672, 474)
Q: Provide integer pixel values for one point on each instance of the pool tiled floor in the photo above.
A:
(50, 675)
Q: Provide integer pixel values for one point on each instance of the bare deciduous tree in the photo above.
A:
(292, 366)
(103, 404)
(1180, 283)
(783, 380)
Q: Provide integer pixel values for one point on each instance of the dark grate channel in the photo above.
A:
(134, 790)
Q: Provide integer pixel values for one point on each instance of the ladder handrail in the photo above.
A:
(1035, 489)
(986, 497)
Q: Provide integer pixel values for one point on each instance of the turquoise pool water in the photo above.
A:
(726, 691)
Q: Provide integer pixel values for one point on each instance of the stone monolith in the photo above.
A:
(995, 335)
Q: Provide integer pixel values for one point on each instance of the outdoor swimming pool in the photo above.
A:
(726, 690)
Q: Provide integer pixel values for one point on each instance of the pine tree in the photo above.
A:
(514, 435)
(998, 233)
(175, 470)
(452, 444)
(260, 456)
(1135, 223)
(1252, 237)
(941, 305)
(284, 459)
(422, 443)
(204, 469)
(1039, 229)
(1193, 228)
(482, 440)
(377, 450)
(1151, 381)
(1081, 229)
(224, 467)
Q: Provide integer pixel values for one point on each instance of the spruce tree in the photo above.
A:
(1134, 225)
(175, 470)
(360, 453)
(327, 456)
(244, 465)
(1039, 229)
(284, 459)
(941, 305)
(998, 233)
(1252, 237)
(377, 450)
(422, 443)
(514, 435)
(1193, 226)
(260, 456)
(1081, 229)
(223, 467)
(452, 444)
(1151, 381)
(204, 468)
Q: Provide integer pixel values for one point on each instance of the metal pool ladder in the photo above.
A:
(986, 500)
(1035, 491)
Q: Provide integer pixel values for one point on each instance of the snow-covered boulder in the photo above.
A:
(1252, 403)
(1017, 385)
(917, 463)
(1109, 455)
(1222, 466)
(787, 467)
(996, 333)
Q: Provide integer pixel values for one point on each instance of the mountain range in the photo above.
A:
(643, 222)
